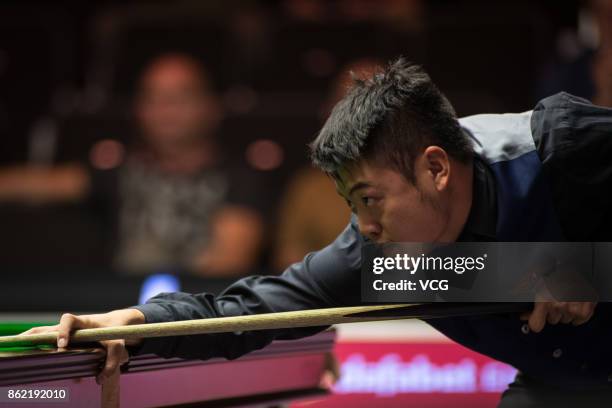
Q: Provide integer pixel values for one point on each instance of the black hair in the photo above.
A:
(390, 118)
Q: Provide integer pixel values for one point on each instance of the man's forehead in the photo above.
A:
(347, 177)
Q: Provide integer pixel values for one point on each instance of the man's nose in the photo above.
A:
(370, 228)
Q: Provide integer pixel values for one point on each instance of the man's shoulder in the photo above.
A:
(561, 100)
(499, 137)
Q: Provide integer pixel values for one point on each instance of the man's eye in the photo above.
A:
(367, 201)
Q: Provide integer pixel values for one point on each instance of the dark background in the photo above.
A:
(67, 70)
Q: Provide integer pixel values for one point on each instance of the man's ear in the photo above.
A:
(437, 164)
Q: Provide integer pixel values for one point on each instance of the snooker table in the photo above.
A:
(283, 371)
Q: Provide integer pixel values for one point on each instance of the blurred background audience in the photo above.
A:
(148, 137)
(171, 196)
(582, 64)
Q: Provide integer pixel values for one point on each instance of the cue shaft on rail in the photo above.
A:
(265, 321)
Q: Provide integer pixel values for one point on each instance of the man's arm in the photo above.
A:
(327, 278)
(572, 138)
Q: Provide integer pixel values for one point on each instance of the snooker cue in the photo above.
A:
(267, 321)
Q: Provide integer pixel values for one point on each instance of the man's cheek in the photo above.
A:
(399, 233)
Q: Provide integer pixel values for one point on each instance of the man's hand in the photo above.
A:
(575, 313)
(116, 354)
